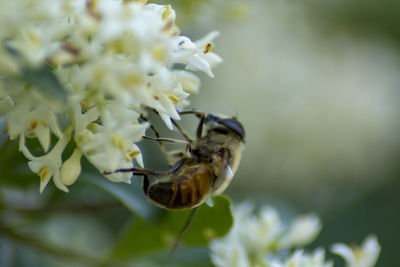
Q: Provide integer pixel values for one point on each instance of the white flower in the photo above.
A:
(33, 119)
(49, 165)
(229, 254)
(263, 231)
(190, 83)
(264, 240)
(230, 250)
(301, 259)
(110, 146)
(32, 30)
(198, 55)
(364, 256)
(301, 232)
(113, 59)
(257, 239)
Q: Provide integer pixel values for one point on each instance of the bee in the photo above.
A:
(205, 168)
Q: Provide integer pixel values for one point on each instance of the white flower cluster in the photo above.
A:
(113, 59)
(264, 240)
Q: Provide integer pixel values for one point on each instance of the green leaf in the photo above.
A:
(130, 195)
(140, 237)
(209, 222)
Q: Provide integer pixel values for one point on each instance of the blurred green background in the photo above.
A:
(316, 85)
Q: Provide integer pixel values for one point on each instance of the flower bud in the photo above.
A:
(71, 168)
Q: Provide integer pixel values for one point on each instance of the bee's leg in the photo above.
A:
(177, 154)
(144, 172)
(138, 171)
(167, 140)
(183, 133)
(182, 232)
(172, 169)
(170, 155)
(157, 134)
(177, 165)
(194, 112)
(200, 126)
(201, 116)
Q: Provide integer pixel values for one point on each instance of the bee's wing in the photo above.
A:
(209, 201)
(223, 180)
(228, 171)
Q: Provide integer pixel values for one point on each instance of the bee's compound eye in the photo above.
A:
(231, 123)
(221, 130)
(234, 125)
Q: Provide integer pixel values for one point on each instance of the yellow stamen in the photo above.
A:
(118, 143)
(116, 46)
(207, 48)
(43, 173)
(93, 127)
(173, 98)
(33, 125)
(131, 155)
(166, 12)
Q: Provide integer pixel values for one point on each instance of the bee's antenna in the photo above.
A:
(182, 232)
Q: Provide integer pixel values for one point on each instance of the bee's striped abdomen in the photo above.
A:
(185, 191)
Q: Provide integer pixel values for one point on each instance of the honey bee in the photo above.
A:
(205, 168)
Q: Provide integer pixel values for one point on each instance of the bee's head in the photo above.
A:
(225, 125)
